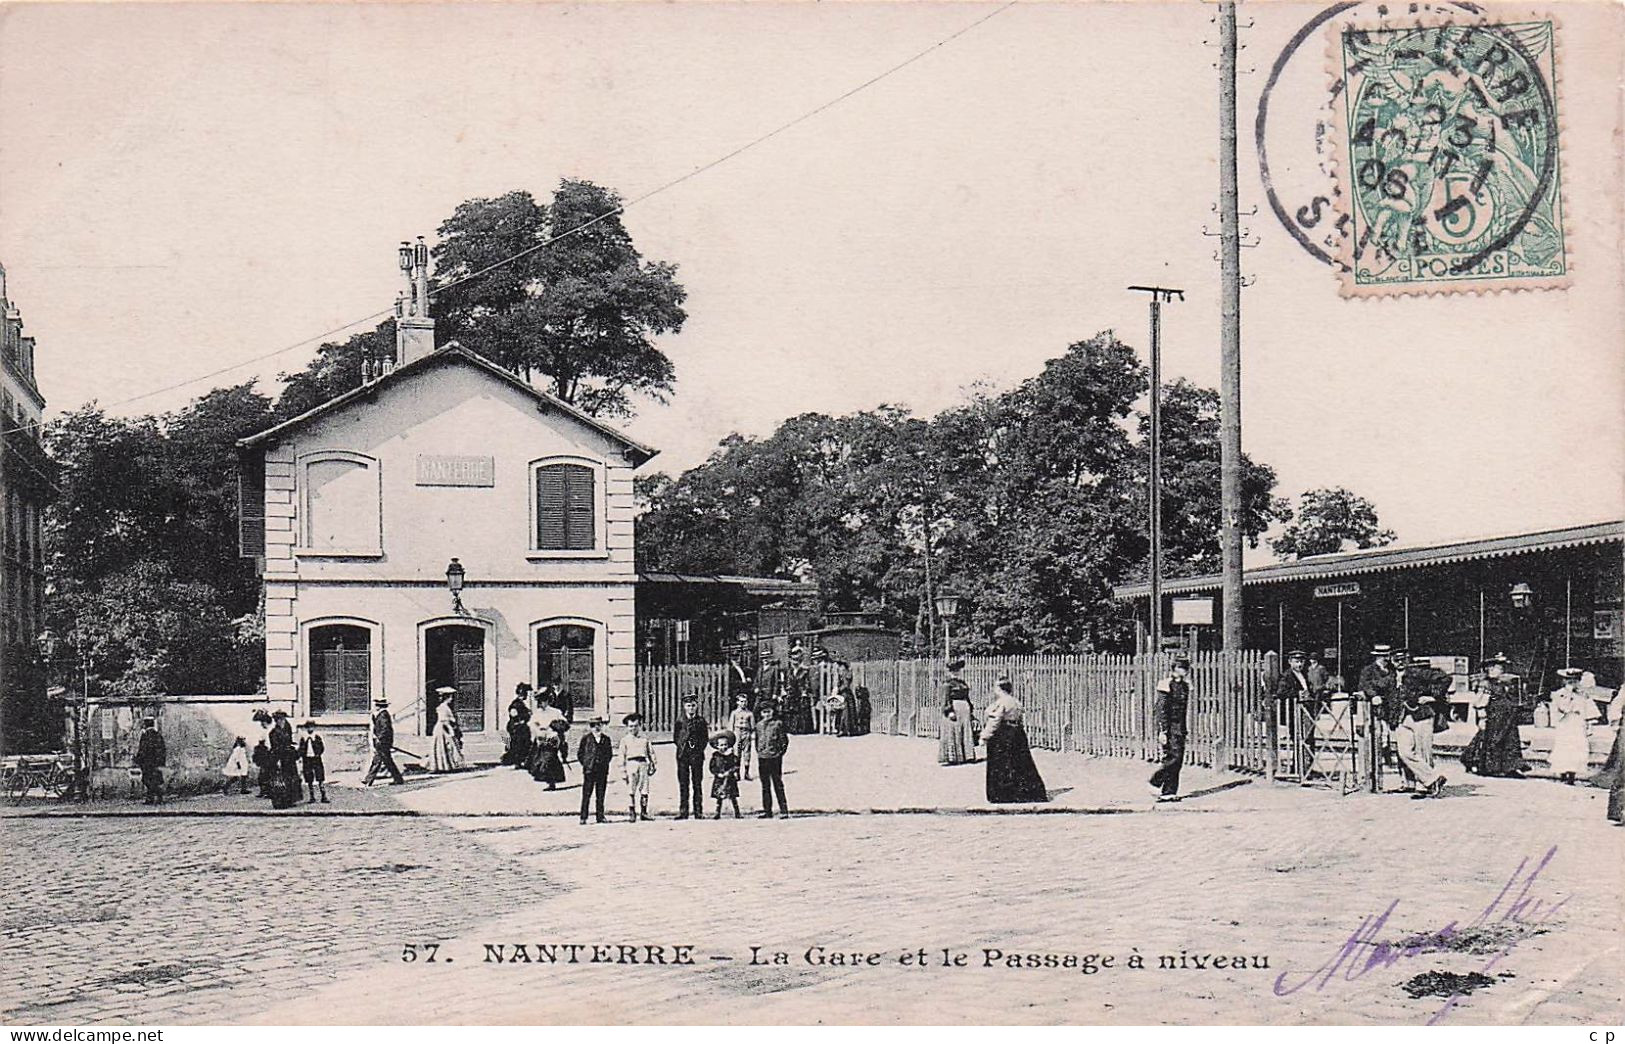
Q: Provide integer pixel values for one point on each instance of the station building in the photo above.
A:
(443, 524)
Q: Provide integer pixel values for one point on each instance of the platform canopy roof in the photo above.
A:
(1388, 559)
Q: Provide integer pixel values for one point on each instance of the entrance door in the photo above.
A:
(454, 655)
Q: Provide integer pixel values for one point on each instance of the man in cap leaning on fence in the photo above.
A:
(1170, 716)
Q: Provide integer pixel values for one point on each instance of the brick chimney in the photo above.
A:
(414, 330)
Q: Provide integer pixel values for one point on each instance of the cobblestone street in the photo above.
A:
(234, 918)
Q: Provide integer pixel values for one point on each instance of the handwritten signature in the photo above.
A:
(1362, 952)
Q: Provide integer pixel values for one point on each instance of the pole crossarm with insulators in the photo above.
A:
(1159, 294)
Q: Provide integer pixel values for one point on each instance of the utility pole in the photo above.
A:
(1229, 336)
(1159, 294)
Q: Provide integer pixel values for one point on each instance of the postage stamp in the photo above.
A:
(1447, 157)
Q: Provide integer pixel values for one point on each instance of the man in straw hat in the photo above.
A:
(383, 745)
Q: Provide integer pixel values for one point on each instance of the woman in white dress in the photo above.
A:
(446, 748)
(1571, 710)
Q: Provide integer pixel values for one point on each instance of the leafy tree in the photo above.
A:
(147, 511)
(336, 369)
(1030, 503)
(1191, 519)
(148, 632)
(581, 312)
(1328, 521)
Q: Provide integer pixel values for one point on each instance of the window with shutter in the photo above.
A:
(580, 525)
(340, 669)
(566, 508)
(251, 507)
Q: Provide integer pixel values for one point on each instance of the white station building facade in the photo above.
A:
(443, 470)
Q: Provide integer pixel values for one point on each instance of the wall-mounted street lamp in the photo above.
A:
(454, 584)
(1522, 595)
(947, 605)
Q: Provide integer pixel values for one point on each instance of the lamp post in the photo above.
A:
(454, 584)
(947, 604)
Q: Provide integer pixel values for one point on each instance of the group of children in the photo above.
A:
(280, 761)
(759, 731)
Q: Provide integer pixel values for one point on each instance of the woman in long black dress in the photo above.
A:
(284, 762)
(1011, 774)
(1497, 749)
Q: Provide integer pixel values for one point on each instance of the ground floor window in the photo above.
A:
(340, 669)
(564, 659)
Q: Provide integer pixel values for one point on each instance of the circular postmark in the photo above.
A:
(1449, 143)
(1428, 138)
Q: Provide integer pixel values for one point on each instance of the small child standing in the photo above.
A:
(236, 769)
(311, 749)
(743, 724)
(724, 772)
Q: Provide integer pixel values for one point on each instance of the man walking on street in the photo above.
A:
(150, 756)
(692, 737)
(772, 740)
(383, 745)
(1169, 712)
(594, 754)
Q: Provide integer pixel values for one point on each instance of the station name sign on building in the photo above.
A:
(1344, 590)
(436, 470)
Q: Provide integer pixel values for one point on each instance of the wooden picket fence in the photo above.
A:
(661, 691)
(1089, 704)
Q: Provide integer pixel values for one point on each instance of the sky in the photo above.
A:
(189, 187)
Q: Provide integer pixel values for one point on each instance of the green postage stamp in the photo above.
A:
(1448, 157)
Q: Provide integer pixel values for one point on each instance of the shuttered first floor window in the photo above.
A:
(566, 508)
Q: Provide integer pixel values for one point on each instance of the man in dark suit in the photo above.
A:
(383, 745)
(1169, 714)
(150, 756)
(594, 753)
(692, 737)
(1380, 685)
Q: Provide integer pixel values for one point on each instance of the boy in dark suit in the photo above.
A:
(594, 753)
(311, 748)
(692, 735)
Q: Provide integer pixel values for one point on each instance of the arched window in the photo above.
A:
(566, 507)
(341, 504)
(340, 669)
(565, 657)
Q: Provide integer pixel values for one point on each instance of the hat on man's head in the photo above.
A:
(1499, 658)
(598, 719)
(956, 665)
(1382, 650)
(309, 724)
(1567, 673)
(690, 697)
(1297, 654)
(279, 713)
(380, 702)
(1182, 661)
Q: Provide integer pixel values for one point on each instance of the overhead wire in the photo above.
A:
(589, 223)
